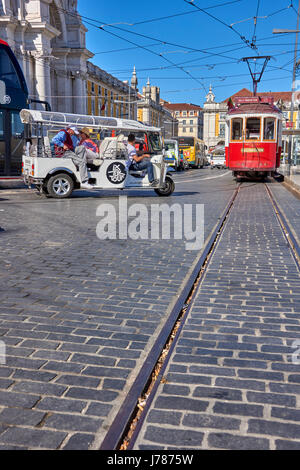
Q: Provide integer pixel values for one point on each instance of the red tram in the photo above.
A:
(253, 137)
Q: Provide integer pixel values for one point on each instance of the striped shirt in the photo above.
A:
(131, 153)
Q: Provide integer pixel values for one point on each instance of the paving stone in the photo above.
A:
(180, 403)
(61, 404)
(241, 409)
(33, 438)
(174, 437)
(40, 387)
(89, 394)
(24, 400)
(79, 442)
(164, 417)
(66, 422)
(19, 416)
(210, 421)
(274, 428)
(236, 442)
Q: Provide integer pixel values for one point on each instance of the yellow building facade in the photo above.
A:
(108, 96)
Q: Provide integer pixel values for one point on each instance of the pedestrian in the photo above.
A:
(138, 163)
(66, 145)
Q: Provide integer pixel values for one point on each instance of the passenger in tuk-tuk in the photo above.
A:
(86, 140)
(91, 148)
(135, 161)
(66, 146)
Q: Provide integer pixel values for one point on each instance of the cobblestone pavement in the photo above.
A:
(78, 315)
(231, 382)
(289, 204)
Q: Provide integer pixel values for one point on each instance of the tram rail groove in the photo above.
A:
(286, 227)
(129, 408)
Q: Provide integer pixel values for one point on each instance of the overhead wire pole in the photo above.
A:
(284, 31)
(293, 91)
(254, 74)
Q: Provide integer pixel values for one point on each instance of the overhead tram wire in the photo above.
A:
(255, 23)
(88, 20)
(184, 13)
(126, 71)
(246, 41)
(159, 55)
(151, 52)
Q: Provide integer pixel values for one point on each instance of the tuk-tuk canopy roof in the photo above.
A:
(29, 116)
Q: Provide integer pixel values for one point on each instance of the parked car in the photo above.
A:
(217, 157)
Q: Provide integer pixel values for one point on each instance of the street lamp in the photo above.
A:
(285, 31)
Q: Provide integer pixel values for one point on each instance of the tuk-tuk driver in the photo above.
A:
(135, 162)
(66, 141)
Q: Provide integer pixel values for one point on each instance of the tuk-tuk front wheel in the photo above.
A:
(60, 186)
(167, 189)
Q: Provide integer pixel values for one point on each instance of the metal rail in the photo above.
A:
(124, 417)
(286, 228)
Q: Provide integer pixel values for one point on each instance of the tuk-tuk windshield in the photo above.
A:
(155, 142)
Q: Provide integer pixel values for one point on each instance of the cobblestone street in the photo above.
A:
(231, 382)
(79, 314)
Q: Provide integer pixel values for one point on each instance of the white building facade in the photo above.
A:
(48, 39)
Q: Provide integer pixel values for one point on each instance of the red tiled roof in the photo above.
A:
(182, 106)
(277, 95)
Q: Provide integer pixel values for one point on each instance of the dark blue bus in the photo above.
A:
(13, 98)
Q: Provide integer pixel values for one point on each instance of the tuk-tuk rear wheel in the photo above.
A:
(60, 186)
(168, 188)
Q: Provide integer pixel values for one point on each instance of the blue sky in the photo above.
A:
(187, 33)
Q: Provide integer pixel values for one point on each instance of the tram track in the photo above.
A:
(128, 422)
(286, 227)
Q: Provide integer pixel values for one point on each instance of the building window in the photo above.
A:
(184, 129)
(222, 130)
(184, 121)
(93, 106)
(177, 113)
(191, 129)
(191, 113)
(191, 121)
(183, 113)
(93, 87)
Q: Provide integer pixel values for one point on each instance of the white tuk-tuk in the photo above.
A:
(57, 176)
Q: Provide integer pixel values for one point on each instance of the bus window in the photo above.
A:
(253, 129)
(1, 126)
(269, 129)
(237, 129)
(8, 72)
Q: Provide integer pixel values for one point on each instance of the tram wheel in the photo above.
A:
(168, 188)
(60, 186)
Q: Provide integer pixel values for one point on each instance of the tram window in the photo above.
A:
(237, 129)
(269, 129)
(253, 129)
